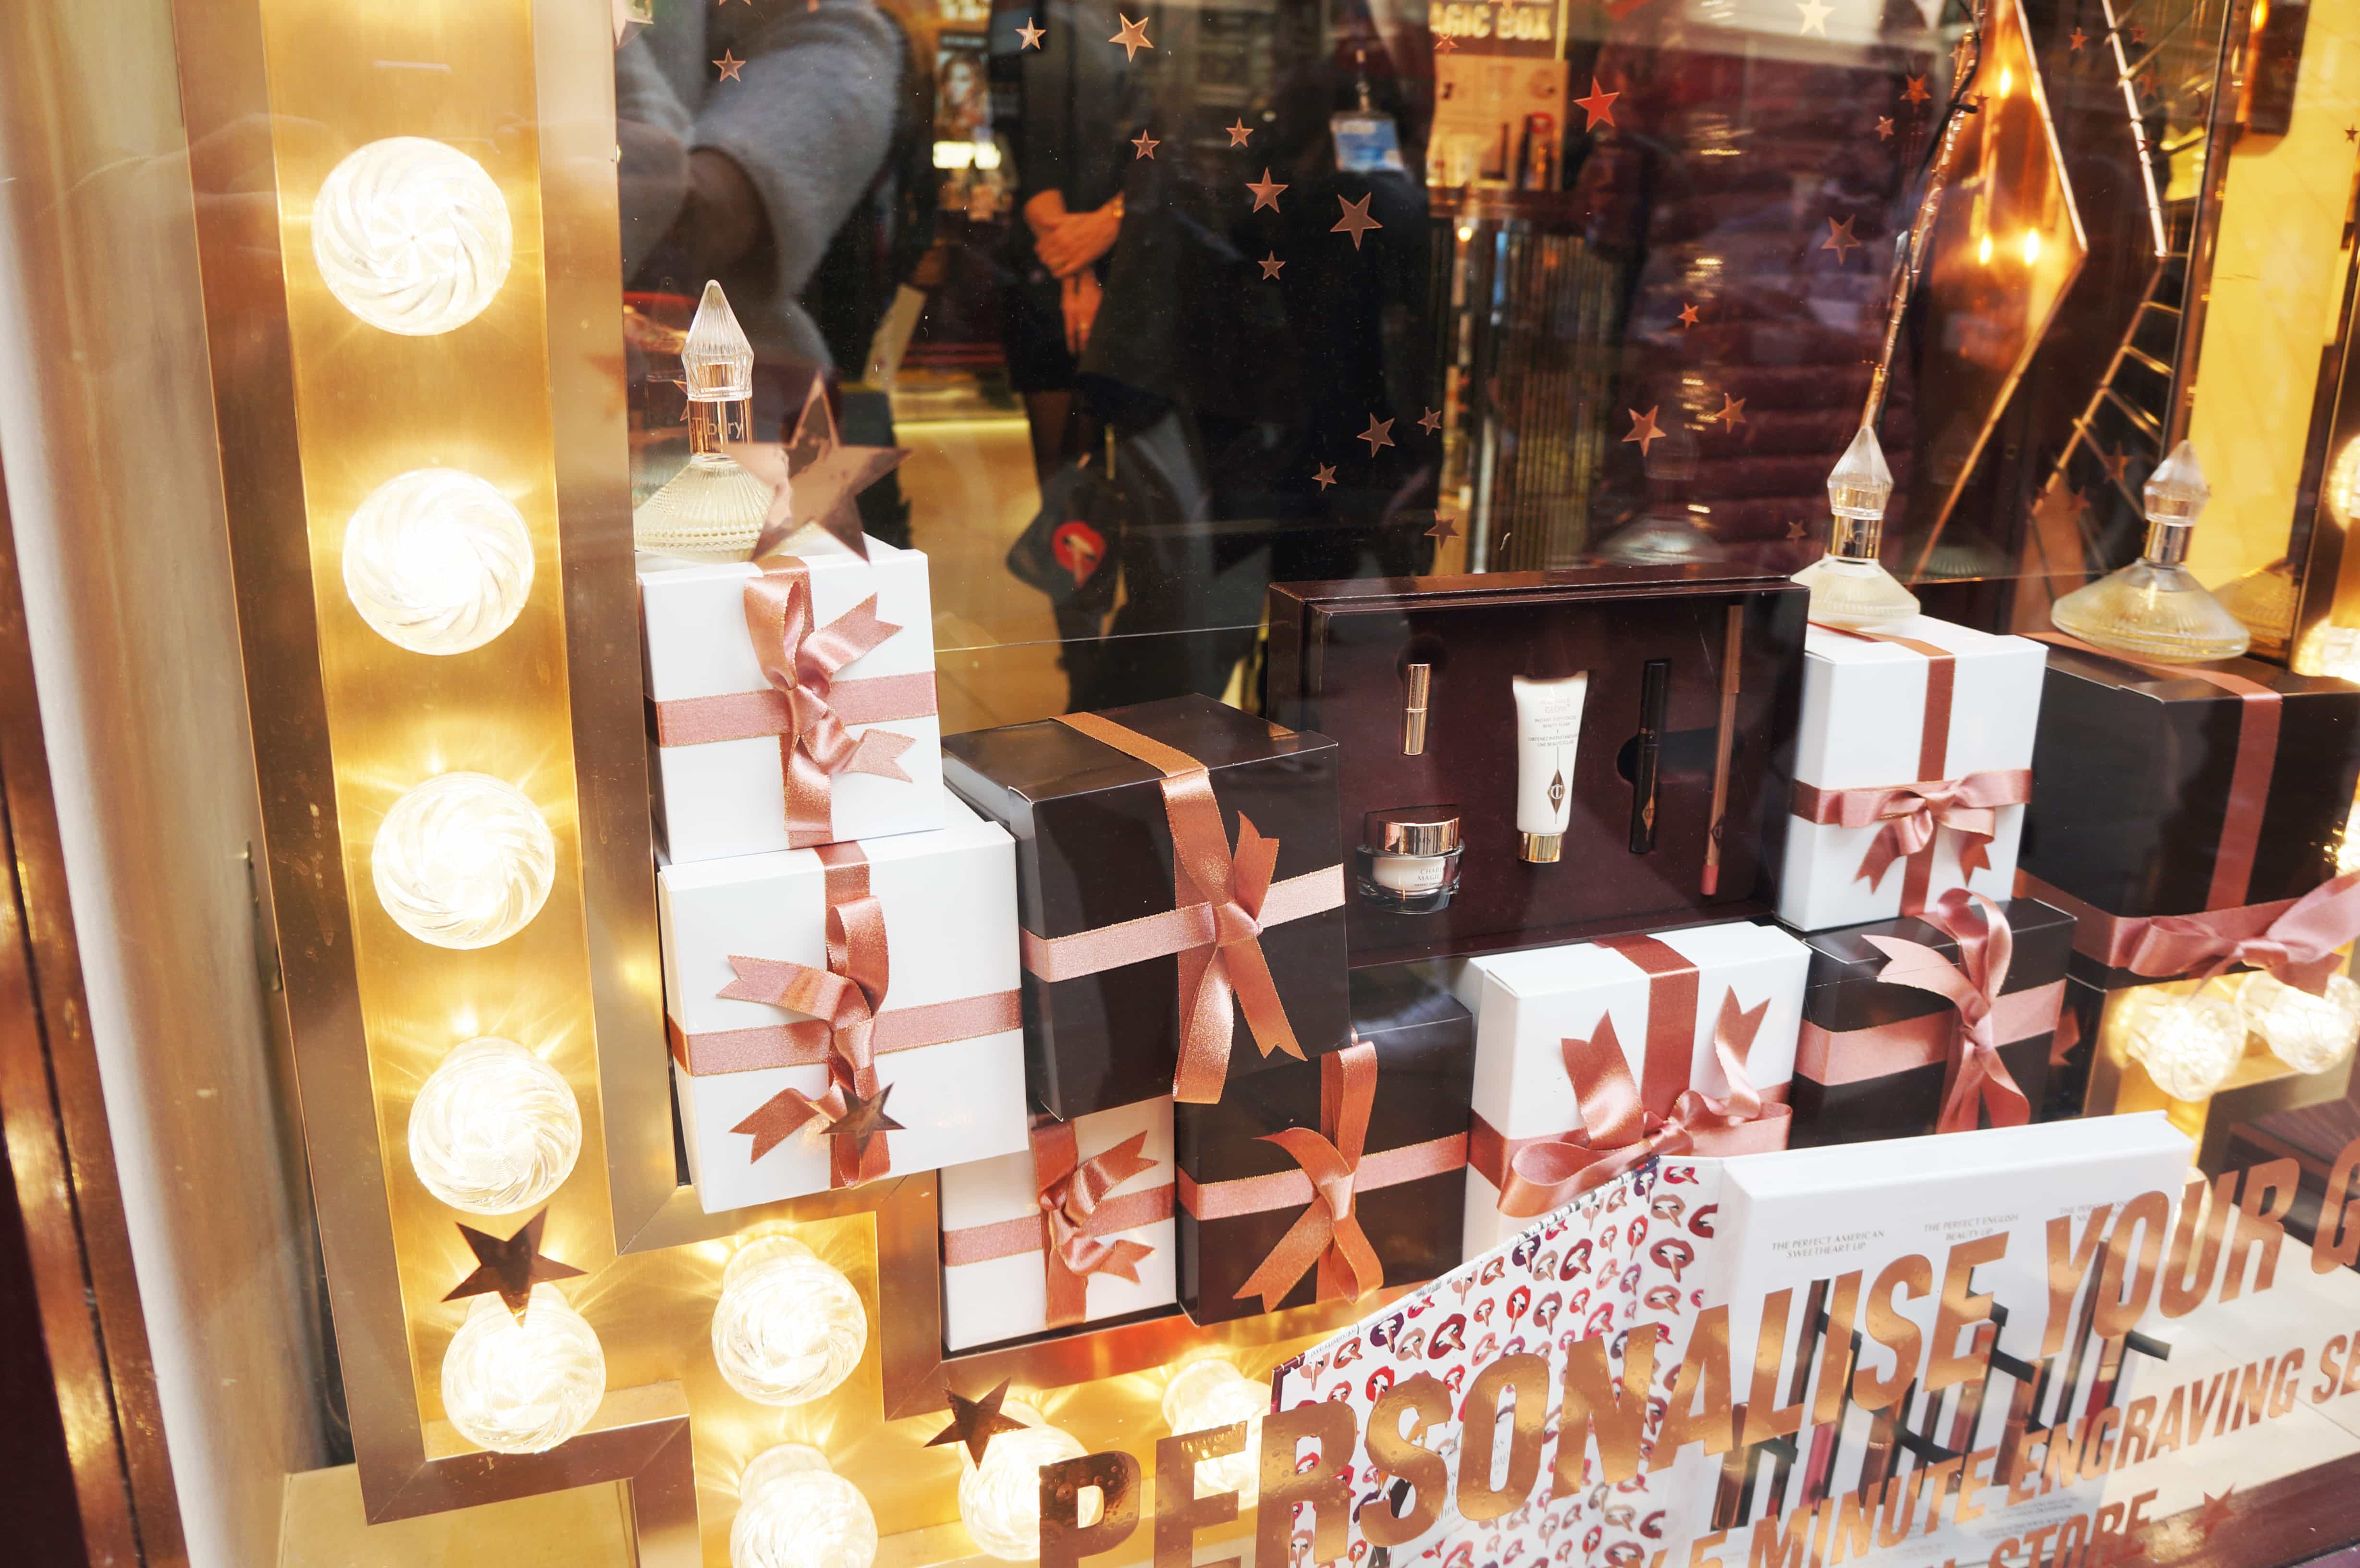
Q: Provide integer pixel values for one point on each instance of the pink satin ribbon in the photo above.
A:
(1880, 1051)
(1620, 1129)
(709, 1052)
(2295, 939)
(1967, 806)
(800, 660)
(757, 716)
(1220, 899)
(1978, 1078)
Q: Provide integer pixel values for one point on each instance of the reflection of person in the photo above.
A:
(966, 106)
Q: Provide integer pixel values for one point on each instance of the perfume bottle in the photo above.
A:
(2154, 607)
(712, 509)
(1848, 587)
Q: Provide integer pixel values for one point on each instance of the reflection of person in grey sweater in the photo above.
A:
(750, 179)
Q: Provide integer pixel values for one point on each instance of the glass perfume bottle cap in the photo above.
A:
(2176, 491)
(1860, 482)
(717, 362)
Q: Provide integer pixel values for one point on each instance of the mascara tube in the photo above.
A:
(1654, 697)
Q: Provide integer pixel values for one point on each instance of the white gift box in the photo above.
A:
(1863, 727)
(948, 1035)
(1527, 1004)
(995, 1268)
(726, 796)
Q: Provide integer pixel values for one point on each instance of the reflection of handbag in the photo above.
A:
(1068, 551)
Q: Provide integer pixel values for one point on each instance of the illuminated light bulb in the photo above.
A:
(1984, 251)
(789, 1327)
(437, 560)
(1849, 586)
(2031, 247)
(494, 1128)
(712, 509)
(999, 1500)
(2189, 1044)
(2310, 1034)
(2155, 608)
(411, 235)
(1211, 1393)
(462, 860)
(2329, 650)
(522, 1387)
(2342, 491)
(793, 1511)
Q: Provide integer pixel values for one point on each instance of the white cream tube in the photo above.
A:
(1548, 725)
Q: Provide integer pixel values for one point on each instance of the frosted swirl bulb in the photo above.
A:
(411, 235)
(2190, 1045)
(494, 1130)
(437, 560)
(522, 1387)
(787, 1327)
(999, 1500)
(1211, 1393)
(2310, 1034)
(462, 860)
(795, 1512)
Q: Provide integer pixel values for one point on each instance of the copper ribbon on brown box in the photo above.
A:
(1977, 1079)
(1621, 1130)
(845, 994)
(2295, 939)
(800, 660)
(1328, 1233)
(1912, 812)
(1221, 904)
(1078, 1207)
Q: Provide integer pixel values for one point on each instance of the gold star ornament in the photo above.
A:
(510, 1267)
(975, 1423)
(825, 478)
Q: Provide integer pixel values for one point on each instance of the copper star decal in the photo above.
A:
(1238, 131)
(864, 1120)
(1840, 239)
(1732, 413)
(511, 1268)
(2146, 82)
(1689, 317)
(1323, 474)
(1265, 191)
(2077, 505)
(1599, 106)
(1815, 18)
(2118, 463)
(1798, 531)
(730, 65)
(1144, 146)
(1446, 44)
(1445, 529)
(1915, 92)
(1642, 429)
(1133, 37)
(975, 1422)
(1356, 221)
(2138, 33)
(824, 475)
(1270, 266)
(1378, 433)
(2352, 133)
(2113, 1549)
(2076, 41)
(2215, 1512)
(1883, 128)
(1430, 421)
(1030, 34)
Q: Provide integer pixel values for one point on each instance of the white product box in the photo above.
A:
(719, 797)
(1863, 727)
(949, 1037)
(1527, 1004)
(995, 1278)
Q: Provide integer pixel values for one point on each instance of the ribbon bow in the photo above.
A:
(1071, 1191)
(1622, 1131)
(846, 996)
(1911, 813)
(1978, 1075)
(1327, 1232)
(2299, 947)
(800, 660)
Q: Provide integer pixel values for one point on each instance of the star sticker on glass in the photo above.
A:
(1030, 35)
(1815, 18)
(1599, 106)
(1323, 474)
(1840, 238)
(1378, 433)
(1730, 414)
(1270, 266)
(1133, 37)
(1356, 221)
(1430, 421)
(2352, 133)
(2076, 41)
(1238, 131)
(2146, 82)
(2118, 463)
(1689, 317)
(1642, 429)
(2215, 1512)
(1915, 92)
(2138, 33)
(730, 65)
(975, 1422)
(1884, 128)
(1446, 44)
(1798, 531)
(1445, 529)
(510, 1267)
(1144, 146)
(816, 478)
(1265, 191)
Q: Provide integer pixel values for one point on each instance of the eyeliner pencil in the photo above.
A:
(1732, 647)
